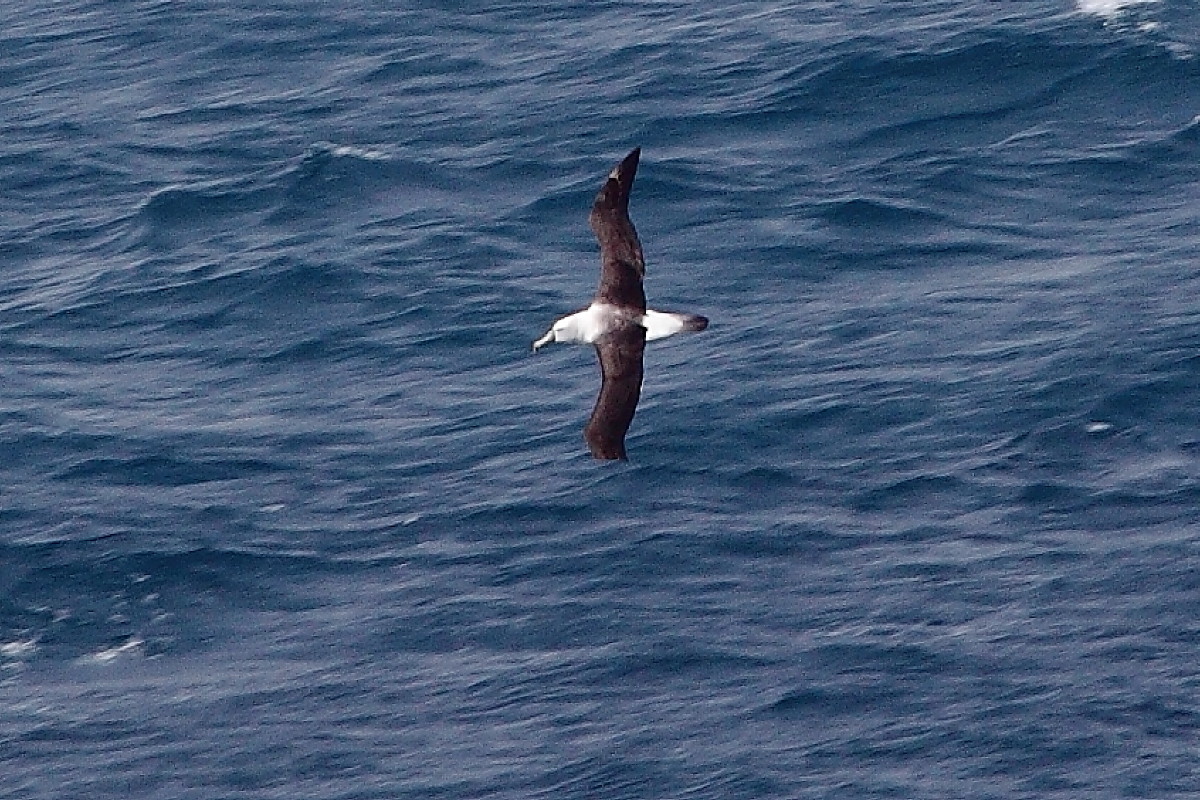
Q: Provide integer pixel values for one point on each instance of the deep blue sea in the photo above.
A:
(289, 509)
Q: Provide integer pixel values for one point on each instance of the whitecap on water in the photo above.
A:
(131, 647)
(1110, 8)
(18, 649)
(1129, 15)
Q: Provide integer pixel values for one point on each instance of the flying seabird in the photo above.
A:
(617, 322)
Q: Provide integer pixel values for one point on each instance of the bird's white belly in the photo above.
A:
(592, 323)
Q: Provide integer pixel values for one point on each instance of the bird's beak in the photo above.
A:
(545, 340)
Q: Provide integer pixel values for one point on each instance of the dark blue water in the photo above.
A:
(289, 510)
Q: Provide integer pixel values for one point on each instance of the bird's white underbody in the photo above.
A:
(588, 325)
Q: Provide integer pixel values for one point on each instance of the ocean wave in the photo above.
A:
(100, 601)
(159, 470)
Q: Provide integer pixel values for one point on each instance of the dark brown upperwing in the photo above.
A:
(621, 263)
(620, 355)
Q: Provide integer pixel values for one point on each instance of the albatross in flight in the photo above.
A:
(617, 322)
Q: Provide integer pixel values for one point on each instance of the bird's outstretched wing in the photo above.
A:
(620, 353)
(621, 263)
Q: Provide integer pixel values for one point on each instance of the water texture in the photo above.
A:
(290, 510)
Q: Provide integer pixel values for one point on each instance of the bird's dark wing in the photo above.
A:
(620, 353)
(621, 263)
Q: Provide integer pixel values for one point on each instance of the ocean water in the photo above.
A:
(290, 510)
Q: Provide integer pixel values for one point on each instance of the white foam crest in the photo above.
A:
(350, 151)
(1110, 8)
(132, 647)
(1123, 15)
(19, 649)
